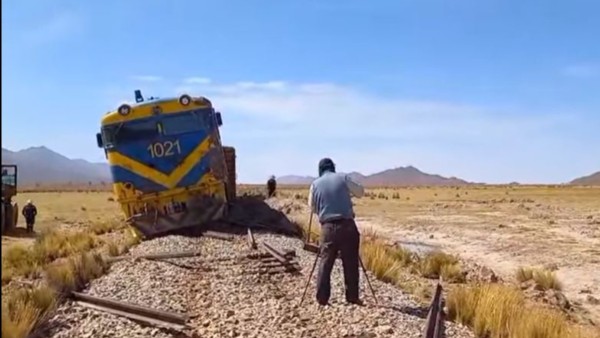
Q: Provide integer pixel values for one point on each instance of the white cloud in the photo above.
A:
(588, 70)
(147, 78)
(63, 25)
(337, 111)
(197, 80)
(281, 127)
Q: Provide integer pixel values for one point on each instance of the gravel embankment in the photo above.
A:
(225, 298)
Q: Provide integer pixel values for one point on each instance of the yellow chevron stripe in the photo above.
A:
(169, 181)
(121, 160)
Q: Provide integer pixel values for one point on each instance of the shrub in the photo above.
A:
(26, 308)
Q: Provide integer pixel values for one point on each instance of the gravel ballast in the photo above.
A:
(225, 297)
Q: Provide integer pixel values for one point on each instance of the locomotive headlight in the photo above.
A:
(124, 109)
(185, 99)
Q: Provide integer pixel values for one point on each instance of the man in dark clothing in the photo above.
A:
(29, 212)
(271, 186)
(330, 198)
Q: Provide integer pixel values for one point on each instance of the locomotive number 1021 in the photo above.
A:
(164, 149)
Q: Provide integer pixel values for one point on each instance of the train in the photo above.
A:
(168, 165)
(10, 209)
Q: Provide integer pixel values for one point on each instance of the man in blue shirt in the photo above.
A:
(330, 198)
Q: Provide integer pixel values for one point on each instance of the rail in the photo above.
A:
(135, 312)
(434, 326)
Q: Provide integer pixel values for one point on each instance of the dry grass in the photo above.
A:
(524, 274)
(69, 227)
(498, 311)
(403, 257)
(547, 280)
(87, 267)
(491, 310)
(19, 260)
(386, 261)
(497, 227)
(380, 260)
(80, 187)
(544, 279)
(434, 263)
(452, 273)
(107, 226)
(61, 277)
(113, 249)
(496, 301)
(52, 245)
(23, 310)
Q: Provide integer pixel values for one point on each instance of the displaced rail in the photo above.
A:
(266, 263)
(434, 326)
(271, 260)
(134, 312)
(167, 255)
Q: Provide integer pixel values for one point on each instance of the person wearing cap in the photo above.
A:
(29, 212)
(271, 186)
(330, 197)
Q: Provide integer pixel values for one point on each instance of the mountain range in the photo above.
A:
(401, 176)
(593, 179)
(43, 165)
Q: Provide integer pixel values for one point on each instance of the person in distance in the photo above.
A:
(271, 186)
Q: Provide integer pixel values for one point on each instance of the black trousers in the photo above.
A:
(30, 222)
(339, 236)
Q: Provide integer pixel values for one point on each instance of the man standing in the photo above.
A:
(29, 212)
(271, 186)
(330, 198)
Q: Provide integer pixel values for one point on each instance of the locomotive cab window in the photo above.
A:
(128, 132)
(187, 122)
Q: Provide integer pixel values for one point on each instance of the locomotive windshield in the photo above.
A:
(155, 126)
(196, 120)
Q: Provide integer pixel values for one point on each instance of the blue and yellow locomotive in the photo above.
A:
(169, 167)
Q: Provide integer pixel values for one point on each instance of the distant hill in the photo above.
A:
(593, 179)
(295, 180)
(402, 176)
(42, 165)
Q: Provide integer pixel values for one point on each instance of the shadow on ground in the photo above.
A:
(417, 311)
(20, 233)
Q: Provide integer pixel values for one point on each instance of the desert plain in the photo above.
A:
(500, 228)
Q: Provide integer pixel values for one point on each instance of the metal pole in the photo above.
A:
(309, 227)
(309, 277)
(367, 277)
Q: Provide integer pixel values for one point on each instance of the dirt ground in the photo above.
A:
(502, 228)
(64, 210)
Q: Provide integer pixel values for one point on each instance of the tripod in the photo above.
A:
(313, 270)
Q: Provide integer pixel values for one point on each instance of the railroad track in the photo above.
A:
(271, 260)
(268, 270)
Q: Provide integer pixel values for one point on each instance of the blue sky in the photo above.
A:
(490, 90)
